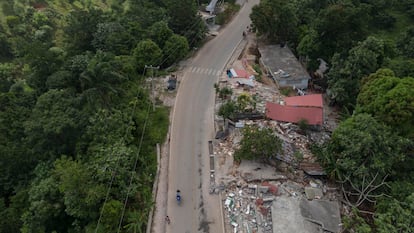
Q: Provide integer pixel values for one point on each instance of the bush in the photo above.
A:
(303, 125)
(225, 16)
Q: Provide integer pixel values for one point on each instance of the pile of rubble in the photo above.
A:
(248, 208)
(277, 206)
(261, 198)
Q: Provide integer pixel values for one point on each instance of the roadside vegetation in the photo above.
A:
(369, 46)
(230, 9)
(77, 126)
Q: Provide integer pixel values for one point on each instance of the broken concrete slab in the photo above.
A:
(313, 193)
(286, 217)
(322, 212)
(253, 171)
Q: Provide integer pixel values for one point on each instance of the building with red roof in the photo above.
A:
(313, 100)
(297, 108)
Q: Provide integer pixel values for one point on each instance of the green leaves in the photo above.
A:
(146, 53)
(276, 19)
(395, 216)
(54, 124)
(227, 109)
(363, 147)
(345, 74)
(258, 144)
(175, 49)
(390, 99)
(81, 193)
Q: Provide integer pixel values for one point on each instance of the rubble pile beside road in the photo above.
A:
(248, 208)
(283, 196)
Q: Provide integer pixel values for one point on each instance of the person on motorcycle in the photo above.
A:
(178, 196)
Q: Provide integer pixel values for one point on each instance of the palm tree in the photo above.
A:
(100, 81)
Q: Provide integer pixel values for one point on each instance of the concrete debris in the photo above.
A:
(248, 209)
(284, 195)
(313, 193)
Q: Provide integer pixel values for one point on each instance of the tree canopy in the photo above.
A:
(258, 144)
(277, 19)
(390, 99)
(73, 105)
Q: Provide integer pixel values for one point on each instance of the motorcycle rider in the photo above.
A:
(178, 196)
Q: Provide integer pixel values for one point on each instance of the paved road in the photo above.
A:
(192, 127)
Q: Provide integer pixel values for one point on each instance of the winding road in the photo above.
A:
(193, 126)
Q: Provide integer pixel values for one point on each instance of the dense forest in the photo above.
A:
(77, 127)
(369, 46)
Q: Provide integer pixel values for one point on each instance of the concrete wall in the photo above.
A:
(299, 83)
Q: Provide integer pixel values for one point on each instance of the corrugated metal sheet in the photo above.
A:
(314, 115)
(314, 100)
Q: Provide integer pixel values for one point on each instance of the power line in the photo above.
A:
(113, 174)
(144, 128)
(135, 166)
(175, 49)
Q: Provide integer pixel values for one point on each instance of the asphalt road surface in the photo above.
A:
(193, 127)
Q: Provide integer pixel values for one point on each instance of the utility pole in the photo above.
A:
(152, 83)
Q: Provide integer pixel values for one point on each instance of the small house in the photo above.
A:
(283, 67)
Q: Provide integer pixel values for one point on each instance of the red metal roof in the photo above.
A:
(314, 100)
(242, 74)
(314, 115)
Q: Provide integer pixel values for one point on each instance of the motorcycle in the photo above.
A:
(178, 197)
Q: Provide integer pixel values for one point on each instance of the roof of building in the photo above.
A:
(314, 100)
(244, 81)
(314, 115)
(281, 60)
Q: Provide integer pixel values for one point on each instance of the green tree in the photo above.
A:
(309, 45)
(361, 154)
(275, 18)
(6, 51)
(175, 49)
(340, 25)
(81, 194)
(345, 74)
(15, 165)
(159, 32)
(80, 28)
(227, 109)
(185, 20)
(355, 223)
(135, 222)
(244, 100)
(405, 42)
(146, 53)
(112, 37)
(225, 92)
(145, 13)
(43, 61)
(390, 100)
(11, 213)
(102, 79)
(395, 216)
(54, 125)
(46, 211)
(258, 144)
(8, 75)
(110, 217)
(403, 67)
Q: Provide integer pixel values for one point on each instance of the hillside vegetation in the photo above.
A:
(77, 127)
